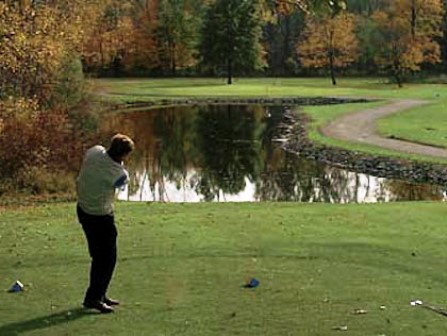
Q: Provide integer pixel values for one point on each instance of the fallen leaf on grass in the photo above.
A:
(360, 312)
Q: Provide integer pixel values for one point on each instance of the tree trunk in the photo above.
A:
(331, 57)
(398, 79)
(396, 72)
(413, 18)
(173, 63)
(286, 49)
(396, 76)
(230, 41)
(101, 53)
(230, 71)
(331, 65)
(334, 81)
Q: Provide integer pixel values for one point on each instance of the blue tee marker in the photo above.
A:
(16, 287)
(253, 283)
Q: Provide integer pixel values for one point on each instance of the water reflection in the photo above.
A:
(228, 153)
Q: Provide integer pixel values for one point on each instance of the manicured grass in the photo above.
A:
(123, 90)
(181, 269)
(426, 124)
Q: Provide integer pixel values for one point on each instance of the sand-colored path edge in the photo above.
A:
(360, 127)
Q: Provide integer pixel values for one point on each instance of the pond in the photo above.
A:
(233, 153)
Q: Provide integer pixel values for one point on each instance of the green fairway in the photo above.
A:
(425, 124)
(128, 89)
(182, 266)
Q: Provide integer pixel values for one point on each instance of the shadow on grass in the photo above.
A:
(63, 317)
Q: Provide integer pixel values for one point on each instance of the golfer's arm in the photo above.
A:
(121, 181)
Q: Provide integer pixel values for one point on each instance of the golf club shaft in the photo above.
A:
(434, 309)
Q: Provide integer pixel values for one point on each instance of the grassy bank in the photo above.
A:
(424, 124)
(182, 266)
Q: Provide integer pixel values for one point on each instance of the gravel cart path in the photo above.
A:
(361, 127)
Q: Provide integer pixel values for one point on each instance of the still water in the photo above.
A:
(232, 153)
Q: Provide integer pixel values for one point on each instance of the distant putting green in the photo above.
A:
(322, 268)
(427, 124)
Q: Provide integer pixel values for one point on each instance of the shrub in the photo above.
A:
(34, 144)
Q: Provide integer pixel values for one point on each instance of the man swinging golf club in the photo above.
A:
(101, 173)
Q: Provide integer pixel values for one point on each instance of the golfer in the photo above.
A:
(101, 173)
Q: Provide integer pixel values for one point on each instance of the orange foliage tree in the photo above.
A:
(409, 30)
(145, 55)
(112, 38)
(329, 42)
(36, 147)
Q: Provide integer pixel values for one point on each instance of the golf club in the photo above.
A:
(429, 306)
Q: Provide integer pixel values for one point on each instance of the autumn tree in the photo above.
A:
(231, 37)
(329, 42)
(35, 40)
(409, 30)
(146, 53)
(443, 40)
(111, 39)
(40, 73)
(145, 35)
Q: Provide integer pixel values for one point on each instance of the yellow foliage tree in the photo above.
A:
(329, 42)
(123, 37)
(408, 32)
(35, 39)
(110, 35)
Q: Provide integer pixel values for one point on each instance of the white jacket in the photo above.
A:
(97, 181)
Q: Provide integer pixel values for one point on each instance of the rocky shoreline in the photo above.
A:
(232, 100)
(294, 129)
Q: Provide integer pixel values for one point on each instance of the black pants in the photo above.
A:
(101, 234)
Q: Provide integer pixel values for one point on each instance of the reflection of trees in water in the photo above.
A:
(290, 178)
(404, 191)
(176, 153)
(229, 147)
(143, 164)
(272, 117)
(222, 146)
(214, 150)
(348, 187)
(287, 177)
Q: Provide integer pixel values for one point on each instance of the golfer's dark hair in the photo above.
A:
(120, 146)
